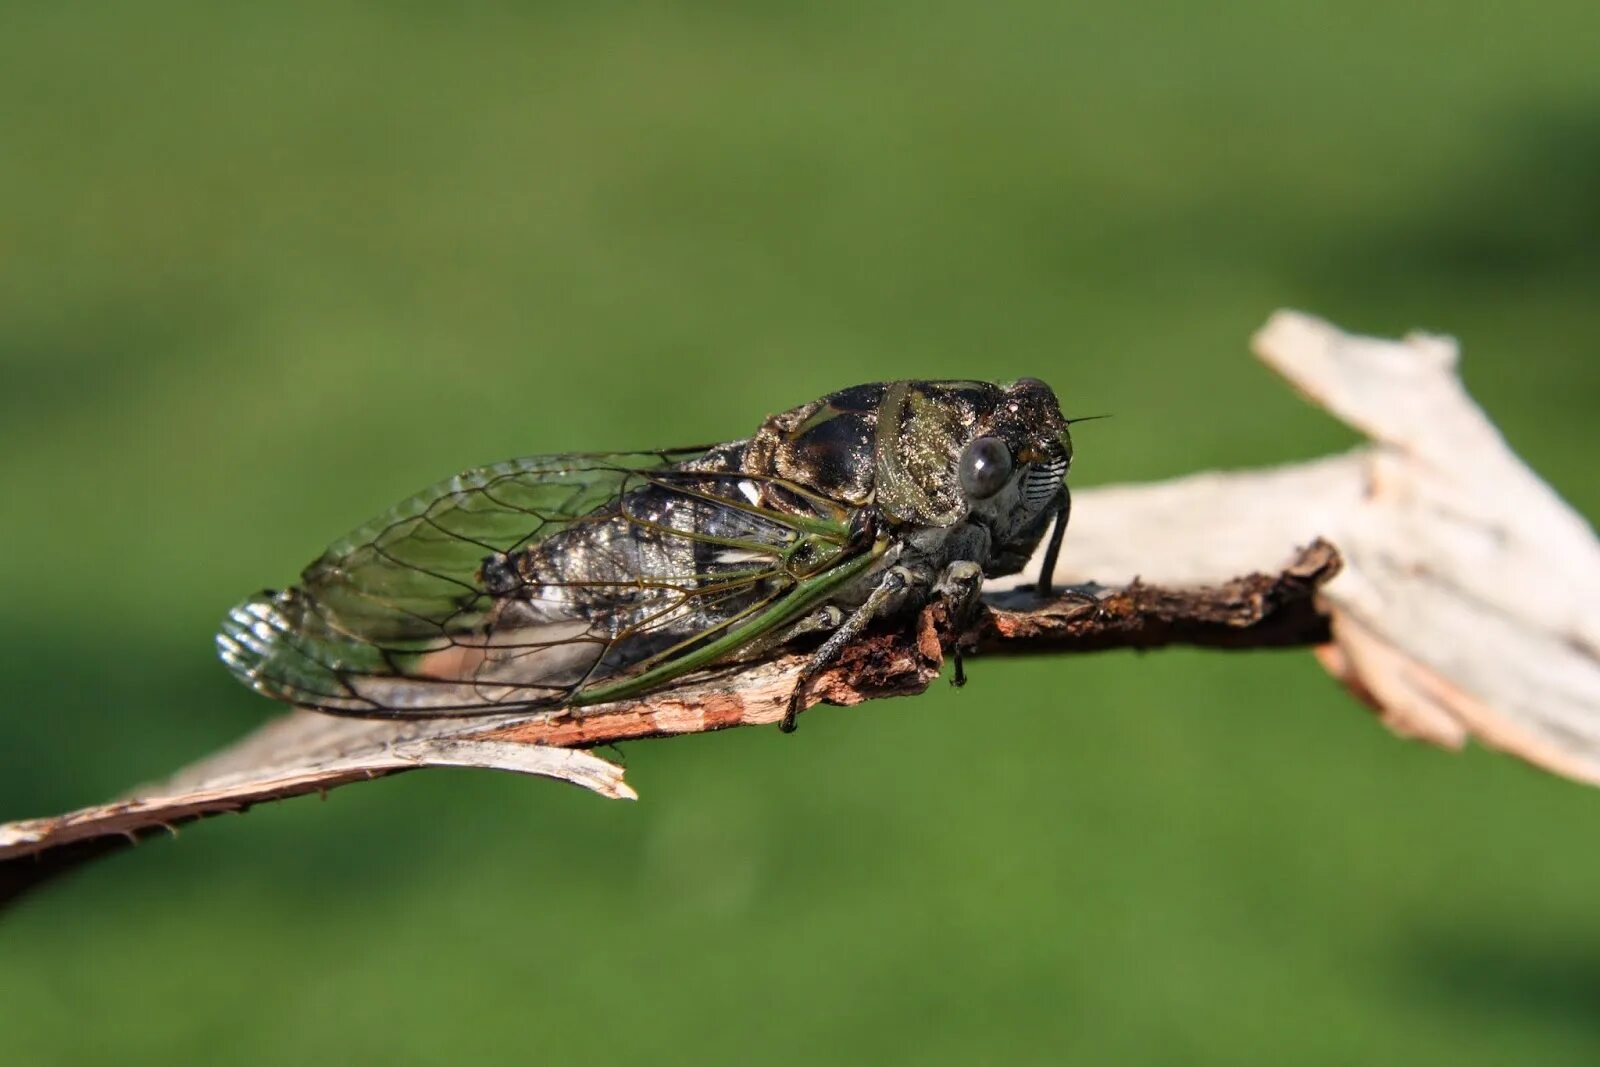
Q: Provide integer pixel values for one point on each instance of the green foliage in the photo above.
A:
(265, 270)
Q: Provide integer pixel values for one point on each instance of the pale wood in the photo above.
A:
(1469, 605)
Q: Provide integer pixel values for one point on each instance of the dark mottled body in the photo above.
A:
(574, 580)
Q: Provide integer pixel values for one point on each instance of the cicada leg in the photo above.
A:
(1052, 552)
(884, 598)
(825, 619)
(961, 588)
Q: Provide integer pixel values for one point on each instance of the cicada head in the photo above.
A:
(1013, 468)
(949, 452)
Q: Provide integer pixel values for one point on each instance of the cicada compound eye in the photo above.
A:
(986, 466)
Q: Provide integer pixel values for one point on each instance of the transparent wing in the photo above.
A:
(527, 583)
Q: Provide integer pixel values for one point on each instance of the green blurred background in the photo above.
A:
(264, 270)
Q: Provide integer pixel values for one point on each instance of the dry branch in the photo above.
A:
(1466, 606)
(306, 752)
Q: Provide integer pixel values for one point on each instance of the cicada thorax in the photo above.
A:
(890, 445)
(827, 446)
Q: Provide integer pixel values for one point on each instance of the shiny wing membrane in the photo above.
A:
(638, 565)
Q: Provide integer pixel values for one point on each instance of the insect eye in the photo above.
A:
(985, 467)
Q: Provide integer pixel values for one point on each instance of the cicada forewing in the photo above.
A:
(555, 580)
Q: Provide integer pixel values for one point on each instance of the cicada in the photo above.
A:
(573, 580)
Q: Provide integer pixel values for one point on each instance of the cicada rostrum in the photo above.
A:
(573, 580)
